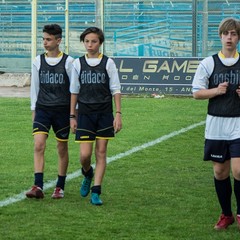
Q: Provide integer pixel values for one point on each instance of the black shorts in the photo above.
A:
(221, 150)
(58, 119)
(94, 125)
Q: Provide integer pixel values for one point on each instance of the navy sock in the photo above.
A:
(89, 173)
(237, 193)
(61, 182)
(96, 189)
(224, 193)
(38, 180)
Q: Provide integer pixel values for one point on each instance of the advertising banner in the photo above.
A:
(156, 75)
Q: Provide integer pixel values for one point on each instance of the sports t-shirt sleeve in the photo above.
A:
(69, 67)
(203, 72)
(34, 89)
(75, 72)
(114, 82)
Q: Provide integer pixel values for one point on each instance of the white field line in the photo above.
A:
(73, 175)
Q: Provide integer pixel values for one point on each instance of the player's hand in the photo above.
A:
(222, 88)
(238, 91)
(73, 124)
(117, 123)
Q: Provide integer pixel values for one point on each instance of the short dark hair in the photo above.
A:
(95, 30)
(53, 29)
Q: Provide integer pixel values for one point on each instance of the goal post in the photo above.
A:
(34, 30)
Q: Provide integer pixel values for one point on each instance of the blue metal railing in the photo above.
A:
(132, 28)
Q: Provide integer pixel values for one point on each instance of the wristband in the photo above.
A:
(118, 112)
(72, 116)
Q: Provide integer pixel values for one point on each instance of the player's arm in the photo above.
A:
(74, 89)
(115, 89)
(117, 123)
(211, 93)
(73, 113)
(73, 104)
(34, 88)
(200, 82)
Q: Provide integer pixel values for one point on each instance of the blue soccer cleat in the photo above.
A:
(95, 199)
(85, 188)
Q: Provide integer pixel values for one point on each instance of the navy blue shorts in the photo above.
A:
(57, 119)
(221, 150)
(94, 125)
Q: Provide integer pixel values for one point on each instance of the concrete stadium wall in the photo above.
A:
(15, 80)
